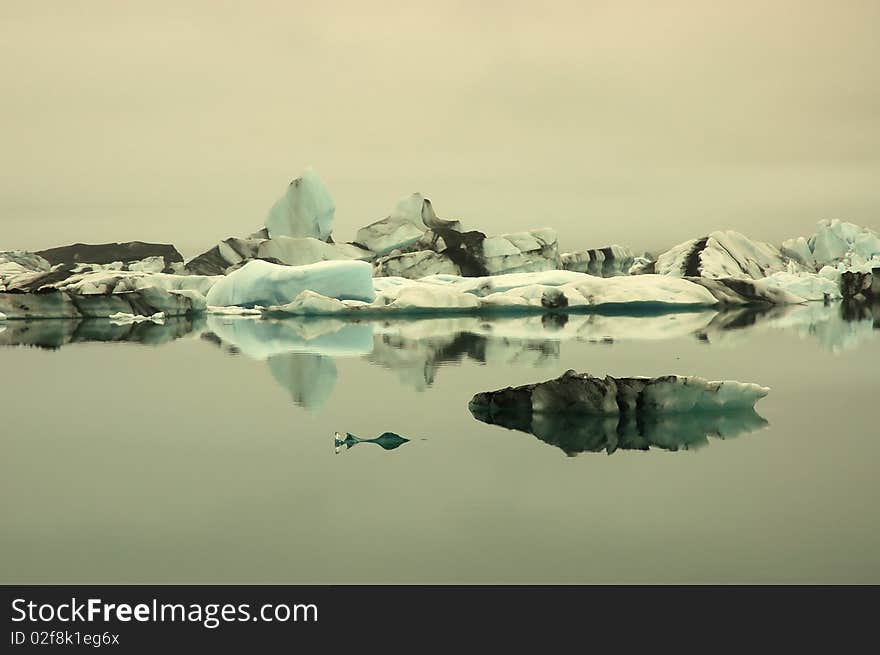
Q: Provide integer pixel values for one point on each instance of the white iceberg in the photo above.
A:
(837, 244)
(722, 254)
(294, 251)
(305, 210)
(265, 284)
(602, 262)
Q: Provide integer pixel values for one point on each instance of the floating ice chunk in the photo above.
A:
(808, 286)
(581, 393)
(305, 210)
(262, 283)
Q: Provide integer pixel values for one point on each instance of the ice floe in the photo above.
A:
(262, 283)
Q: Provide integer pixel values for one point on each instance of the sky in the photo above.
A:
(638, 123)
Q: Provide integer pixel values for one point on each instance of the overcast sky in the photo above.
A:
(640, 123)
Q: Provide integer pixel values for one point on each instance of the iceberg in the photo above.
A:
(841, 245)
(581, 393)
(294, 251)
(306, 209)
(473, 254)
(721, 254)
(64, 304)
(132, 255)
(265, 284)
(602, 262)
(514, 292)
(579, 413)
(225, 255)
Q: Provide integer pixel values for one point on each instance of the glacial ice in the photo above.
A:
(721, 254)
(840, 245)
(602, 262)
(132, 255)
(472, 254)
(307, 250)
(262, 283)
(544, 291)
(305, 210)
(581, 393)
(64, 304)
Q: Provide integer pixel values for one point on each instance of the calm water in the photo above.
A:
(205, 453)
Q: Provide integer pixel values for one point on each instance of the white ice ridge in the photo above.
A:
(266, 284)
(515, 291)
(341, 287)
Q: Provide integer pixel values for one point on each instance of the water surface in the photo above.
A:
(204, 451)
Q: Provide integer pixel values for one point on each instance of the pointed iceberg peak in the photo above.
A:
(419, 211)
(306, 209)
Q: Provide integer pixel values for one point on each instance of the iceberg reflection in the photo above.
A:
(54, 333)
(575, 434)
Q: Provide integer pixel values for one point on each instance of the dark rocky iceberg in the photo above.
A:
(108, 253)
(579, 412)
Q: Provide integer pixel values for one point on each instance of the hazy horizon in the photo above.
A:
(614, 122)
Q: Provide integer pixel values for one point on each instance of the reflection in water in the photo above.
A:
(837, 327)
(56, 332)
(416, 360)
(308, 378)
(386, 441)
(301, 351)
(575, 434)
